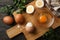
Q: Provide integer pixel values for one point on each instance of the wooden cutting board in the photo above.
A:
(40, 30)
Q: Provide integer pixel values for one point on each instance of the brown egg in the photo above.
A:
(29, 27)
(8, 20)
(19, 18)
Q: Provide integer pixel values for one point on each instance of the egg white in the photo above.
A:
(28, 9)
(36, 3)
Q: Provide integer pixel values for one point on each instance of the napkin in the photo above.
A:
(55, 5)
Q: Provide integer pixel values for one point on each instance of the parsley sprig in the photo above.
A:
(17, 4)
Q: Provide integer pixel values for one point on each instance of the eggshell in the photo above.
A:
(19, 18)
(8, 20)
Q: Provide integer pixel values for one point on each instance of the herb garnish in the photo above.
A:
(17, 4)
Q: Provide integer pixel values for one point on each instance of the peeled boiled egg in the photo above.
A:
(43, 19)
(29, 27)
(8, 20)
(39, 3)
(30, 9)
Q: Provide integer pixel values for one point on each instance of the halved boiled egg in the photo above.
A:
(39, 3)
(30, 9)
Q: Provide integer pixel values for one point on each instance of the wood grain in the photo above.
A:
(40, 30)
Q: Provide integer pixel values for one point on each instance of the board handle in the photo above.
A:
(12, 32)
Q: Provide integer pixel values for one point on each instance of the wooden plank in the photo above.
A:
(14, 31)
(40, 30)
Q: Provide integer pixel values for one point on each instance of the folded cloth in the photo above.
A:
(55, 2)
(55, 5)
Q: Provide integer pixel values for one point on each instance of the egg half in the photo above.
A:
(39, 3)
(30, 9)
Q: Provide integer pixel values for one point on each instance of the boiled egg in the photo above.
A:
(29, 27)
(39, 3)
(30, 9)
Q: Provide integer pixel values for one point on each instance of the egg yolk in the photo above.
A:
(39, 3)
(29, 9)
(43, 19)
